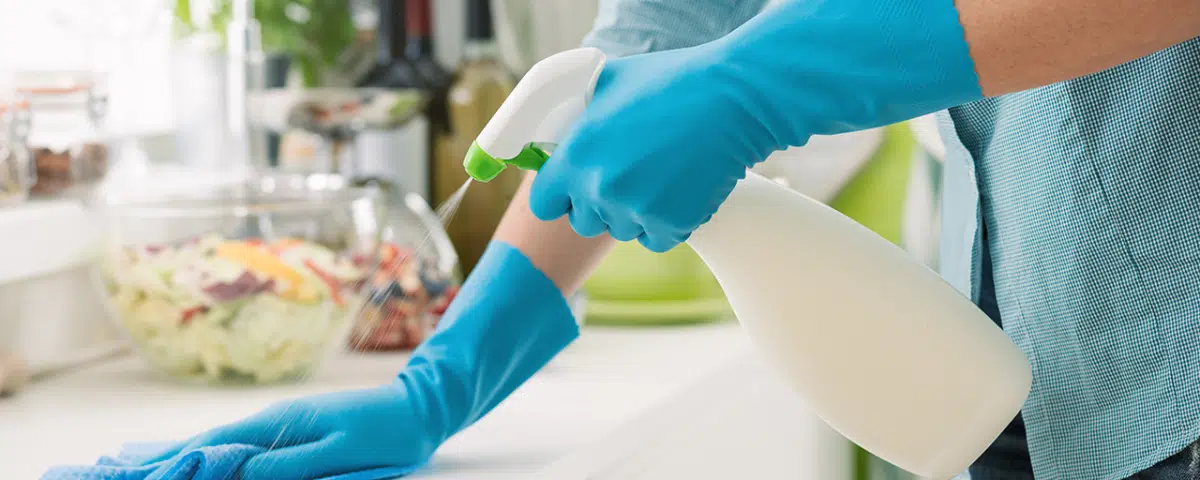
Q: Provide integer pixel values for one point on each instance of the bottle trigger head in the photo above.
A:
(481, 166)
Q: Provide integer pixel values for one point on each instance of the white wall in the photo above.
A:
(128, 38)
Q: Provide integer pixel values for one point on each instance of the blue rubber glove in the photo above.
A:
(668, 134)
(506, 322)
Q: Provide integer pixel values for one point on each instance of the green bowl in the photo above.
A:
(633, 273)
(635, 285)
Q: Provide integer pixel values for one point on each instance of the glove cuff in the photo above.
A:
(506, 322)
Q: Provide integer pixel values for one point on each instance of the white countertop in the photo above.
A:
(607, 378)
(740, 421)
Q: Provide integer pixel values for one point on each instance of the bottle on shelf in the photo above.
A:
(391, 69)
(418, 48)
(397, 156)
(481, 86)
(434, 77)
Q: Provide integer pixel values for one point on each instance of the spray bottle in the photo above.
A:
(878, 345)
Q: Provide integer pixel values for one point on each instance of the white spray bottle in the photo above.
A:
(879, 346)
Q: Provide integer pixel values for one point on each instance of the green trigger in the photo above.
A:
(483, 167)
(531, 158)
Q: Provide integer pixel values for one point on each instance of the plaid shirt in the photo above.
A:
(1089, 194)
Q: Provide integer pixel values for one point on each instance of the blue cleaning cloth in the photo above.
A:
(207, 463)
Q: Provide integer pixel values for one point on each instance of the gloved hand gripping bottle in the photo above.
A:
(879, 346)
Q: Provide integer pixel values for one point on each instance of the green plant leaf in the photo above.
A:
(183, 18)
(314, 44)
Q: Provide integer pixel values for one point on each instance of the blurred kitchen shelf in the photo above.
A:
(54, 314)
(46, 236)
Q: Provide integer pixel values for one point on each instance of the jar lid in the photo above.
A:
(51, 82)
(58, 88)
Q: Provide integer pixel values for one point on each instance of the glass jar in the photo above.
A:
(16, 163)
(70, 155)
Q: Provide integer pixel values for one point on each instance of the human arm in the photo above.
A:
(630, 27)
(1023, 44)
(553, 247)
(668, 134)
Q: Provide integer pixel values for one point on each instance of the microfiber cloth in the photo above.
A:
(208, 463)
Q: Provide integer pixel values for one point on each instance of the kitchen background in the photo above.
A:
(136, 141)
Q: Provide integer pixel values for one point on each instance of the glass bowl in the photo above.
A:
(258, 280)
(416, 275)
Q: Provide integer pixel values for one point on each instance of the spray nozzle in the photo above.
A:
(539, 111)
(483, 167)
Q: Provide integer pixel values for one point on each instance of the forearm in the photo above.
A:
(553, 247)
(1023, 44)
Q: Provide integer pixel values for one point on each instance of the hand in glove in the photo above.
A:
(668, 134)
(507, 321)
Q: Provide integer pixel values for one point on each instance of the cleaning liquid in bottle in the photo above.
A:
(880, 347)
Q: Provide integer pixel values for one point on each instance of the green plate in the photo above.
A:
(600, 312)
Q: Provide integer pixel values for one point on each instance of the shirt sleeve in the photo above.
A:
(629, 27)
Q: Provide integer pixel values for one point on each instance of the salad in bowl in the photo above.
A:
(260, 280)
(216, 308)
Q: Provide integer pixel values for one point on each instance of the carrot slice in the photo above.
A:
(334, 288)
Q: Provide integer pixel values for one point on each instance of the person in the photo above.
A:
(1072, 193)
